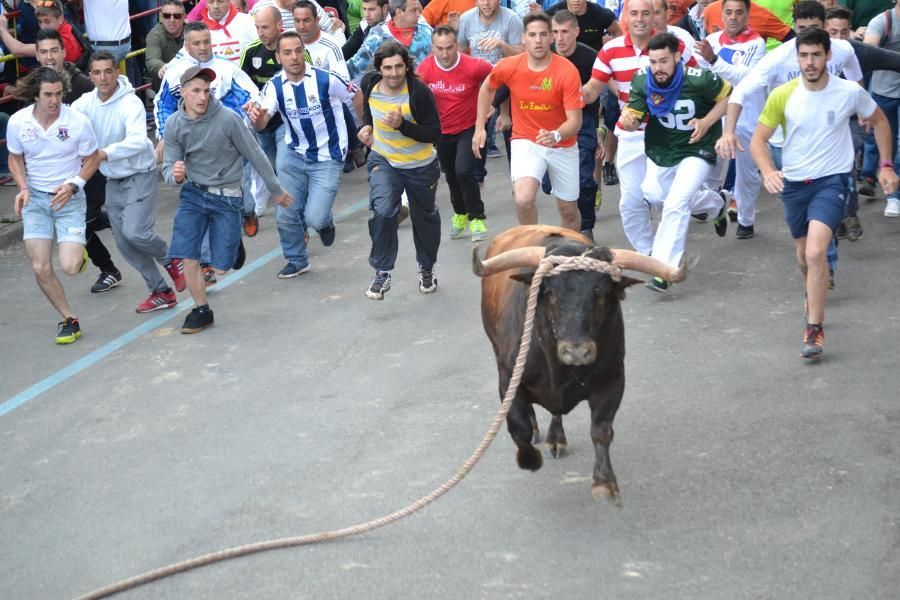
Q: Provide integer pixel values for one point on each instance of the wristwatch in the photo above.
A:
(74, 187)
(557, 136)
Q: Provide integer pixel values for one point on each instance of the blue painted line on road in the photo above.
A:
(102, 352)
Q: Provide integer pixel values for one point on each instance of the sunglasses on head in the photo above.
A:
(45, 4)
(176, 16)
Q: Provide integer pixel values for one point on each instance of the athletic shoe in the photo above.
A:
(69, 331)
(610, 176)
(291, 270)
(589, 234)
(106, 281)
(598, 198)
(158, 301)
(721, 222)
(84, 260)
(251, 224)
(358, 155)
(854, 228)
(813, 341)
(892, 208)
(175, 269)
(327, 235)
(198, 319)
(403, 214)
(658, 284)
(867, 187)
(478, 229)
(241, 257)
(209, 275)
(427, 281)
(700, 217)
(494, 153)
(458, 226)
(744, 233)
(380, 285)
(841, 232)
(732, 210)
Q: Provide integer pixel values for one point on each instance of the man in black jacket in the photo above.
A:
(403, 112)
(51, 53)
(373, 12)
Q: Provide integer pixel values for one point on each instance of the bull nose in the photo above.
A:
(576, 353)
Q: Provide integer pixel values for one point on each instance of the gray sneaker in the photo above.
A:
(854, 228)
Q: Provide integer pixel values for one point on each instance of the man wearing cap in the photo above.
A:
(204, 145)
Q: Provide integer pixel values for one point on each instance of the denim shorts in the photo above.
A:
(199, 212)
(39, 220)
(820, 200)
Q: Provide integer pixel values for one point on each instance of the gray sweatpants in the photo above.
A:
(131, 206)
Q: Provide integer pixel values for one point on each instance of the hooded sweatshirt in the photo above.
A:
(121, 129)
(212, 147)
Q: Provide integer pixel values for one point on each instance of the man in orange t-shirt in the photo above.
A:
(446, 12)
(545, 104)
(762, 21)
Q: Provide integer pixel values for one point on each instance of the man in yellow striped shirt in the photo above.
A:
(401, 126)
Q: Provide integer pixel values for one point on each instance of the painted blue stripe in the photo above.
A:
(126, 338)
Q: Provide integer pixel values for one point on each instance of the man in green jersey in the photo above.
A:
(684, 107)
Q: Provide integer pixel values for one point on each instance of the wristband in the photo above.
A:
(886, 164)
(557, 136)
(77, 182)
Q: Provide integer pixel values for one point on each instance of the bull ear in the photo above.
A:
(624, 283)
(524, 276)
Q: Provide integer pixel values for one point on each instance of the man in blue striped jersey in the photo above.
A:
(310, 103)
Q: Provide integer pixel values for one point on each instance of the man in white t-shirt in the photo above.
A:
(52, 153)
(817, 155)
(322, 49)
(327, 22)
(231, 30)
(108, 26)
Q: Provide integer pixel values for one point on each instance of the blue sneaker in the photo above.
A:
(291, 270)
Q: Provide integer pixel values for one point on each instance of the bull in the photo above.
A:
(578, 342)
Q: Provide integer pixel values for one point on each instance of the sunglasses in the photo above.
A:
(46, 4)
(176, 16)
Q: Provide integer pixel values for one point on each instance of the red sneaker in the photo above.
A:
(158, 301)
(175, 269)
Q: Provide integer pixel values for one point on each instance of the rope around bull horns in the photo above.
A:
(550, 265)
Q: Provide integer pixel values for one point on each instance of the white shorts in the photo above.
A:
(561, 164)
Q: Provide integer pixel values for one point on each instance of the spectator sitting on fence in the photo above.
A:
(165, 40)
(49, 17)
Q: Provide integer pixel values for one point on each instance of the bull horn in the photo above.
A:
(511, 259)
(635, 261)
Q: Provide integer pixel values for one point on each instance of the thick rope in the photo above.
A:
(550, 265)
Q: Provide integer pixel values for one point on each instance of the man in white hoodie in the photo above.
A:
(129, 164)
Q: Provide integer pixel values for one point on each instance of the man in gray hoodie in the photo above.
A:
(204, 145)
(129, 163)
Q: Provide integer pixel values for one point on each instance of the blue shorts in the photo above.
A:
(199, 211)
(611, 110)
(39, 220)
(820, 200)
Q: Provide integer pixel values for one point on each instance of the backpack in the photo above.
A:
(888, 17)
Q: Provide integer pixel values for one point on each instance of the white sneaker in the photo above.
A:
(893, 207)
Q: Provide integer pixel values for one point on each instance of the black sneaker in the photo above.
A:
(107, 281)
(589, 234)
(610, 176)
(327, 235)
(291, 270)
(198, 319)
(69, 331)
(241, 257)
(658, 284)
(380, 285)
(841, 232)
(721, 222)
(744, 233)
(854, 228)
(700, 217)
(427, 281)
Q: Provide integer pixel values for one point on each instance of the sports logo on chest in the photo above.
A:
(313, 105)
(657, 99)
(62, 134)
(257, 62)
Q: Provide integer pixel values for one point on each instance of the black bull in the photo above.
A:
(578, 343)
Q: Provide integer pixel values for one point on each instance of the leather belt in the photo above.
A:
(110, 43)
(232, 191)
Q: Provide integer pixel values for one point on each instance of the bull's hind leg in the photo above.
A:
(604, 404)
(556, 437)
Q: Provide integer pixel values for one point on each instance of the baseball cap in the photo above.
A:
(197, 71)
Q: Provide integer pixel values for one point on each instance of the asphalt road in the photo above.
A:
(746, 473)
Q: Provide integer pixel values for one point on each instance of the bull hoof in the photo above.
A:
(606, 491)
(529, 458)
(557, 449)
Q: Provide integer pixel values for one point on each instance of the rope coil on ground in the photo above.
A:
(550, 265)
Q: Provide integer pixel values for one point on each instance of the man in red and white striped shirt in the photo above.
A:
(619, 60)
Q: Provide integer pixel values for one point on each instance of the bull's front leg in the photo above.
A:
(521, 423)
(604, 404)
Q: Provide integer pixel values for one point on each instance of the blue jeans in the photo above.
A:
(313, 186)
(199, 213)
(832, 247)
(891, 109)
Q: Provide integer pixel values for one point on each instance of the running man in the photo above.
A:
(814, 112)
